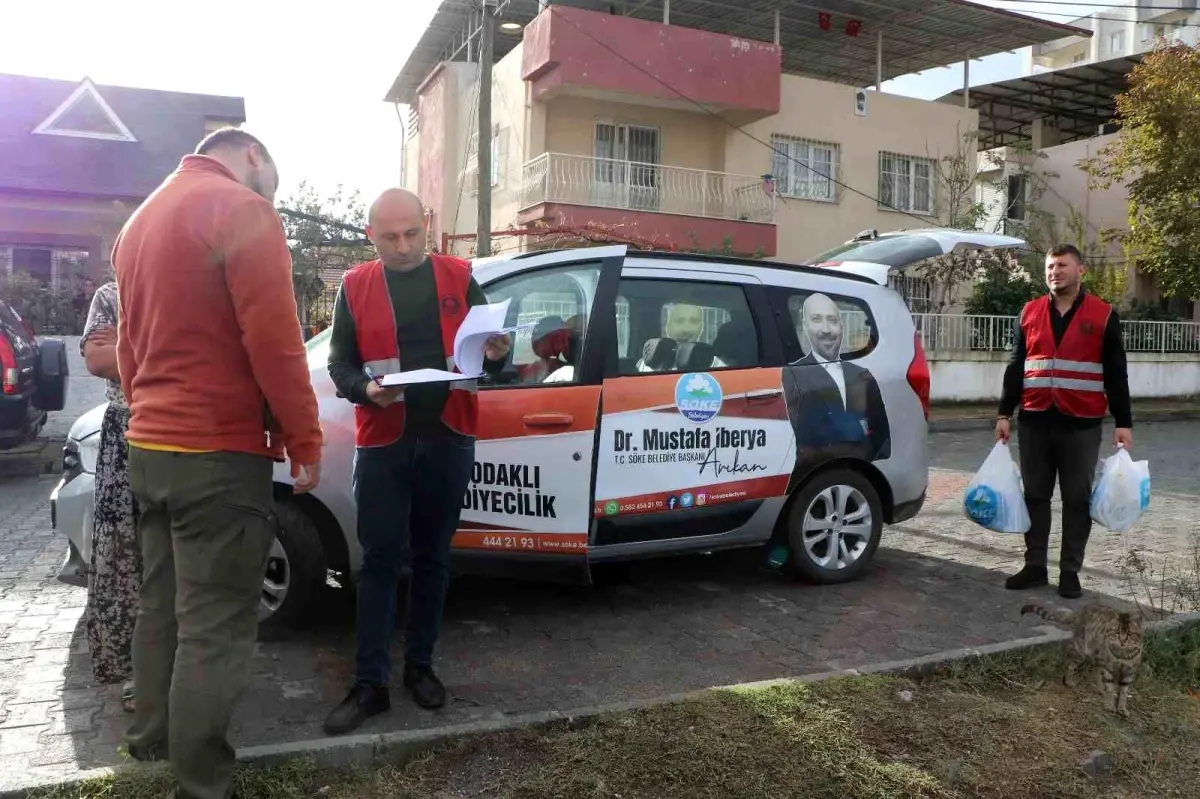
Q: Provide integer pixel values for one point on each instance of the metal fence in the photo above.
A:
(950, 332)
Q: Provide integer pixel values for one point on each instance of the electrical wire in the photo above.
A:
(467, 146)
(923, 219)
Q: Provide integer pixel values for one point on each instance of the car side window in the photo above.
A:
(683, 326)
(554, 305)
(834, 326)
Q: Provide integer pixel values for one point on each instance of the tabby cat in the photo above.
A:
(1104, 640)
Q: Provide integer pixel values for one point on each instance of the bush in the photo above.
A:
(48, 311)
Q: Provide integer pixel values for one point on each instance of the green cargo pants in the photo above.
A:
(206, 527)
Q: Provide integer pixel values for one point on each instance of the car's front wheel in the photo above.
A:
(295, 569)
(834, 526)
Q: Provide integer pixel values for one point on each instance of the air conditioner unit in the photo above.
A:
(1107, 128)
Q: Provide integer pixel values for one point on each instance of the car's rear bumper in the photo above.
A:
(903, 511)
(71, 505)
(20, 419)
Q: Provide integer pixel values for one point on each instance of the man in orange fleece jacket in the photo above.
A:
(212, 363)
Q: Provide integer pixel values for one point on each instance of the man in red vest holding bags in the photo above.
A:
(1067, 370)
(414, 446)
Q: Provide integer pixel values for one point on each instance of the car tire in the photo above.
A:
(814, 511)
(296, 570)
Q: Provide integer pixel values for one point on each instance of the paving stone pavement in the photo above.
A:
(667, 626)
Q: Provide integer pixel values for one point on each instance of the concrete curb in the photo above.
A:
(399, 747)
(989, 422)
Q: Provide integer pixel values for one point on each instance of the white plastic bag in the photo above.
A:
(994, 498)
(1123, 492)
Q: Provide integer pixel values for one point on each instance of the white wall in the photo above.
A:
(976, 377)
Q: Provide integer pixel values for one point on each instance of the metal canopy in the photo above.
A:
(1078, 100)
(917, 34)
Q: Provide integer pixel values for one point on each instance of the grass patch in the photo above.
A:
(1002, 727)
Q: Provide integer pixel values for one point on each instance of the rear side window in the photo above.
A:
(837, 327)
(10, 323)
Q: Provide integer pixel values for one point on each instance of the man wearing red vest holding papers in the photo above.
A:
(1067, 370)
(414, 445)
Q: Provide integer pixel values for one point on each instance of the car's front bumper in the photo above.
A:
(71, 508)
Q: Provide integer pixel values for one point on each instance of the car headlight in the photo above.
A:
(80, 456)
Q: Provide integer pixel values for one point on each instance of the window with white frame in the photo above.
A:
(1078, 58)
(906, 183)
(804, 168)
(1116, 43)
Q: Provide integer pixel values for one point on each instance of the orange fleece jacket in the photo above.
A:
(208, 341)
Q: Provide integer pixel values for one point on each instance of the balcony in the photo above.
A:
(572, 51)
(666, 206)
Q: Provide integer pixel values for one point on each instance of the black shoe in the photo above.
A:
(1068, 585)
(360, 704)
(426, 689)
(1028, 577)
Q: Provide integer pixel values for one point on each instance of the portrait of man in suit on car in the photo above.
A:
(834, 405)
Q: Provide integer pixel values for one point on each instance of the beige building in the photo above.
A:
(629, 127)
(1034, 132)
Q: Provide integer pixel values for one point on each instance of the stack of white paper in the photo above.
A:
(482, 322)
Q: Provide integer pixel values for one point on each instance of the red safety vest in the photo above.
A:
(378, 344)
(1070, 375)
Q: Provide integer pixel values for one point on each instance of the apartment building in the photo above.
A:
(686, 124)
(1035, 130)
(1117, 32)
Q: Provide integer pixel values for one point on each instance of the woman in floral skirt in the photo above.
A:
(116, 567)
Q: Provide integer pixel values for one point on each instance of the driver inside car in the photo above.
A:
(680, 348)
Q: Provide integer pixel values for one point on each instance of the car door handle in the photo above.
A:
(763, 395)
(548, 419)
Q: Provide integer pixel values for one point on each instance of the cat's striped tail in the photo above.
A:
(1055, 616)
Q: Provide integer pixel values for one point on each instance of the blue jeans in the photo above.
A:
(433, 470)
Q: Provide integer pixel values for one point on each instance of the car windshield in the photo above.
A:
(894, 251)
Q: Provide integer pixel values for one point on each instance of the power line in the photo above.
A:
(924, 220)
(467, 147)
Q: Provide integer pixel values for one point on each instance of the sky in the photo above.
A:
(313, 77)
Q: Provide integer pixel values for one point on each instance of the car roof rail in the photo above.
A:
(741, 261)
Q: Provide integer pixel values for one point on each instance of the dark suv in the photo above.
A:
(33, 379)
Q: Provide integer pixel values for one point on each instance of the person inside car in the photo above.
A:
(680, 348)
(551, 343)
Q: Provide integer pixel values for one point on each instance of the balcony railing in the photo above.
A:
(959, 332)
(635, 186)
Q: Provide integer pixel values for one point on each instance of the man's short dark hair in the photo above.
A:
(1066, 249)
(230, 137)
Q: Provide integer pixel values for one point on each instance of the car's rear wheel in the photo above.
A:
(834, 525)
(295, 569)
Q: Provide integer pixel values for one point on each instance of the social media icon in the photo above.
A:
(611, 507)
(686, 500)
(701, 499)
(672, 501)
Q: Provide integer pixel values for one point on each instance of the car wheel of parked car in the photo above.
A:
(295, 569)
(834, 526)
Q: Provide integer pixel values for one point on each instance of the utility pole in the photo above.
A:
(483, 156)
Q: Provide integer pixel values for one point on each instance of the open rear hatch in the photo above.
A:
(876, 255)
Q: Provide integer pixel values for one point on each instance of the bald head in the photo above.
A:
(822, 322)
(396, 226)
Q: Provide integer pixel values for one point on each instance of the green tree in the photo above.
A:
(326, 236)
(1157, 158)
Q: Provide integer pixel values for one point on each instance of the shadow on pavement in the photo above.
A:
(668, 626)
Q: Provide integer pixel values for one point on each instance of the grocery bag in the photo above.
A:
(1123, 492)
(994, 498)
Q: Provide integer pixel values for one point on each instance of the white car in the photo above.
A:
(670, 403)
